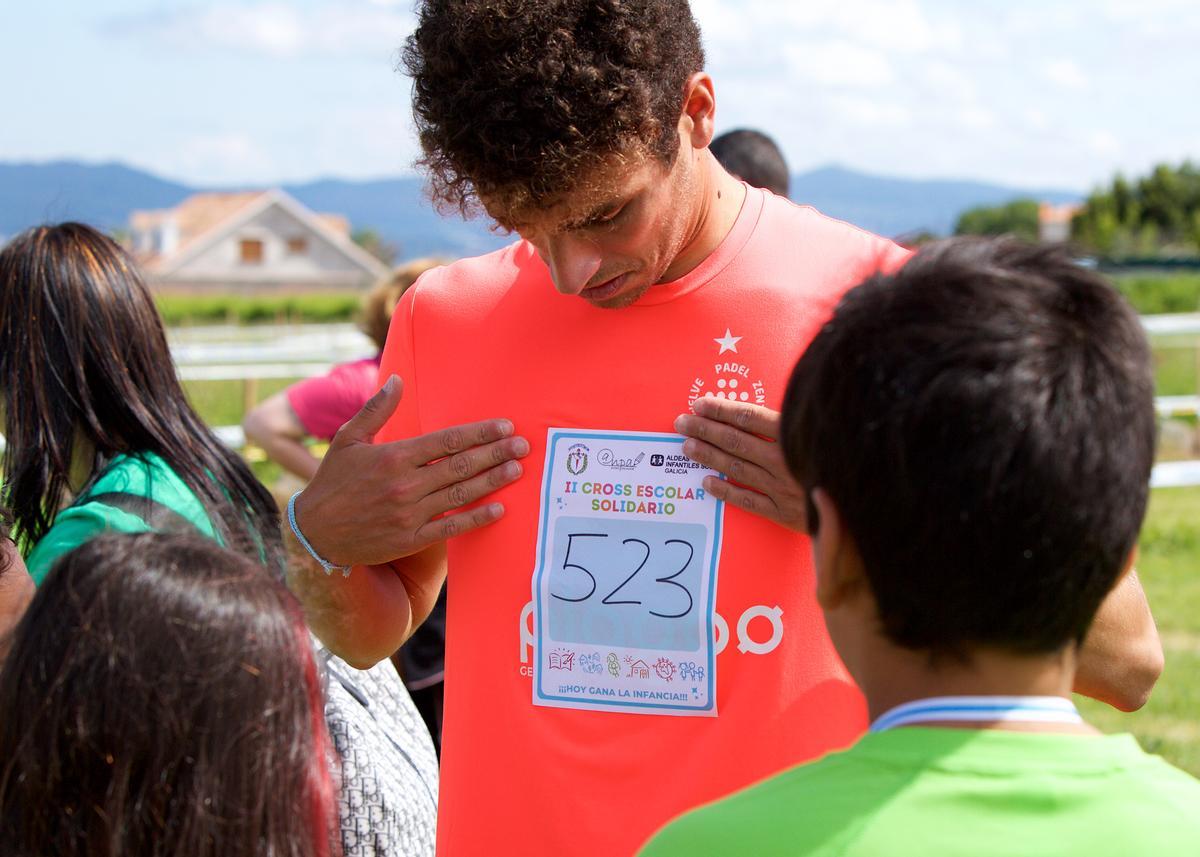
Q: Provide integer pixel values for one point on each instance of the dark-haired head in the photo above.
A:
(85, 370)
(754, 158)
(518, 102)
(161, 698)
(983, 422)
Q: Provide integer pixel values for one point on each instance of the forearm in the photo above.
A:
(1121, 658)
(292, 455)
(365, 617)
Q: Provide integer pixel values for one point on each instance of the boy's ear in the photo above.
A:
(835, 556)
(697, 119)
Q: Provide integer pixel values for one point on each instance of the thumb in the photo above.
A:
(363, 426)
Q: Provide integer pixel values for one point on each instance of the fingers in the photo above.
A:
(466, 492)
(455, 525)
(448, 441)
(373, 416)
(735, 468)
(743, 498)
(463, 465)
(733, 440)
(743, 415)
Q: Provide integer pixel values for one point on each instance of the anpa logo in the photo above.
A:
(577, 458)
(608, 458)
(657, 460)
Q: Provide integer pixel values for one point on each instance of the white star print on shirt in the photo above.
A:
(728, 342)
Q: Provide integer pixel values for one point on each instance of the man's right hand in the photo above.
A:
(370, 504)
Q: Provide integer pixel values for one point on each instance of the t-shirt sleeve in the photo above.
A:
(399, 358)
(76, 526)
(323, 404)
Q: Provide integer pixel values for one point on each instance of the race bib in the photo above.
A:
(625, 585)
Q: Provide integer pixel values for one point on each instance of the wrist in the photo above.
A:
(294, 524)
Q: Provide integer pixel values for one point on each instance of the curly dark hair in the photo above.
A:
(518, 101)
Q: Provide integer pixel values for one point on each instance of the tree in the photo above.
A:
(375, 244)
(1157, 215)
(1019, 217)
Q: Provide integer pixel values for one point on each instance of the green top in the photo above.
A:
(924, 791)
(143, 475)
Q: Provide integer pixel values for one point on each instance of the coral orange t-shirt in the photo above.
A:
(490, 337)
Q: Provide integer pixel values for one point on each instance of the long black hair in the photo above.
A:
(161, 698)
(83, 356)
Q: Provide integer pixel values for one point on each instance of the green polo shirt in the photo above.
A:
(916, 792)
(143, 475)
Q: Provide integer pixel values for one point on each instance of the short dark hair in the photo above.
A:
(754, 158)
(984, 422)
(517, 101)
(161, 697)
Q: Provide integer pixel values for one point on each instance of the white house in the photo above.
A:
(259, 241)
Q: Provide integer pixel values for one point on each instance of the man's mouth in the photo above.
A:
(605, 290)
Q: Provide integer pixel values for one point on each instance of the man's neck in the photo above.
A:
(898, 676)
(720, 197)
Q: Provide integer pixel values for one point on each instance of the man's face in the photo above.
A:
(609, 245)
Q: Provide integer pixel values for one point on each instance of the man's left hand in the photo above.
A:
(740, 440)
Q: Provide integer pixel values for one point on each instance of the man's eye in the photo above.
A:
(613, 215)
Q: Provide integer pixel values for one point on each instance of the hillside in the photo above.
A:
(105, 194)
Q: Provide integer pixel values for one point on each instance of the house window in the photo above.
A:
(252, 251)
(297, 246)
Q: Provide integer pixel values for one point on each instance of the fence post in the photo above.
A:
(249, 395)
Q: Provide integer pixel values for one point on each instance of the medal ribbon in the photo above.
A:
(989, 709)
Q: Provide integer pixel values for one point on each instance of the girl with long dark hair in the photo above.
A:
(100, 434)
(161, 698)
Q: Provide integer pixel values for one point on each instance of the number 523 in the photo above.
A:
(679, 548)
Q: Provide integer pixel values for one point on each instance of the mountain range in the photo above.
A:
(396, 208)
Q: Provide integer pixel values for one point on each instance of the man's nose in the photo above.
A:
(572, 262)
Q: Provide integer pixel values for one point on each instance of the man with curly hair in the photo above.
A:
(650, 291)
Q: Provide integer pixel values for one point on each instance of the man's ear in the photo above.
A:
(835, 556)
(697, 120)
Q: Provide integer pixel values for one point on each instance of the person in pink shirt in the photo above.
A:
(317, 407)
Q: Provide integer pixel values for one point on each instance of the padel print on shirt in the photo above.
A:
(729, 376)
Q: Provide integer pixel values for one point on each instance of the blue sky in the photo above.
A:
(1049, 94)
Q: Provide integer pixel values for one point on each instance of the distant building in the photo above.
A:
(259, 241)
(1054, 221)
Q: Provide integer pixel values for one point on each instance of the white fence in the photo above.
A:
(226, 353)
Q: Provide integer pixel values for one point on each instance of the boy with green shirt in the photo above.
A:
(975, 434)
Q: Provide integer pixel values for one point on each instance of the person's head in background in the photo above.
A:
(754, 158)
(161, 698)
(976, 434)
(379, 303)
(16, 586)
(86, 375)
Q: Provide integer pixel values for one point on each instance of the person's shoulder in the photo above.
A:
(1171, 788)
(477, 279)
(807, 226)
(762, 819)
(75, 526)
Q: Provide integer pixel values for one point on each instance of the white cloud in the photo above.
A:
(224, 157)
(274, 29)
(1066, 74)
(840, 64)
